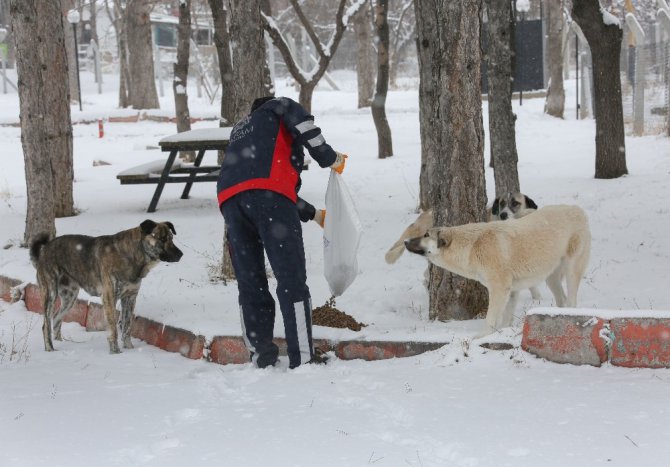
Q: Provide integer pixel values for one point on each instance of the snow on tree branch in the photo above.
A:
(609, 18)
(282, 44)
(351, 11)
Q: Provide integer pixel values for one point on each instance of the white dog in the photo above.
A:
(551, 244)
(510, 206)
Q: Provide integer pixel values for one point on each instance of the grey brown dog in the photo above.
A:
(109, 266)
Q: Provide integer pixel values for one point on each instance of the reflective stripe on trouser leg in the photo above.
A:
(247, 342)
(303, 325)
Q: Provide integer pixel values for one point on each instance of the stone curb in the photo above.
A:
(135, 117)
(222, 349)
(633, 342)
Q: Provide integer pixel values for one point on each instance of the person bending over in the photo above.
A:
(258, 197)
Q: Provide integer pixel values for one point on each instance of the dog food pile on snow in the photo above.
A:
(328, 315)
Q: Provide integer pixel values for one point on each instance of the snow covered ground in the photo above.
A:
(460, 405)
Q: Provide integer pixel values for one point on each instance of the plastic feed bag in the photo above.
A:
(341, 236)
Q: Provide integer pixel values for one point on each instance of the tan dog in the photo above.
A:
(510, 206)
(549, 245)
(109, 266)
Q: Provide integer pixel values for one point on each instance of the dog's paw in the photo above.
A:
(535, 294)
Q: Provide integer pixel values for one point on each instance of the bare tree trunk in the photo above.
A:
(555, 103)
(398, 56)
(400, 42)
(117, 17)
(65, 6)
(248, 58)
(452, 137)
(46, 130)
(222, 42)
(124, 73)
(246, 37)
(365, 72)
(143, 93)
(605, 43)
(384, 140)
(93, 10)
(305, 95)
(268, 84)
(501, 117)
(180, 81)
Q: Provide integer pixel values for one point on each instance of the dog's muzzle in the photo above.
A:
(172, 255)
(414, 245)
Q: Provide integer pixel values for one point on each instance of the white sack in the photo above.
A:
(341, 236)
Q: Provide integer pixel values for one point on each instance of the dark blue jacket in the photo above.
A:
(265, 150)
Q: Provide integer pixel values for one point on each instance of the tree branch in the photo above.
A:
(278, 40)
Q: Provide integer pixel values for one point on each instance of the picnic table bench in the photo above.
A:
(173, 170)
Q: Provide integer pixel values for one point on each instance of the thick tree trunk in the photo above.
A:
(502, 133)
(46, 130)
(246, 36)
(180, 81)
(222, 42)
(555, 103)
(143, 93)
(451, 138)
(384, 140)
(365, 72)
(248, 58)
(605, 43)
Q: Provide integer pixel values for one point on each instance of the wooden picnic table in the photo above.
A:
(173, 170)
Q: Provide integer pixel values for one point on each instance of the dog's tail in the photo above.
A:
(36, 247)
(395, 251)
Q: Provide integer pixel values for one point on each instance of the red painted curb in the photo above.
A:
(640, 342)
(377, 350)
(6, 285)
(169, 338)
(565, 339)
(32, 298)
(95, 320)
(126, 119)
(226, 350)
(628, 342)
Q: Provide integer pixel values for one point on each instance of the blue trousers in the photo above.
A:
(261, 221)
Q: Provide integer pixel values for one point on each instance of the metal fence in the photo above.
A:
(645, 73)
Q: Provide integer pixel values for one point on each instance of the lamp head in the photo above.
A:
(73, 16)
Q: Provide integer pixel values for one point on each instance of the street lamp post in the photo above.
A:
(73, 19)
(3, 34)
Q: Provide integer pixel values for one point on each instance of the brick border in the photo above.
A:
(579, 339)
(633, 342)
(222, 349)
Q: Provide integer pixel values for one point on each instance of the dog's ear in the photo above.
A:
(495, 209)
(169, 224)
(530, 204)
(443, 239)
(147, 226)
